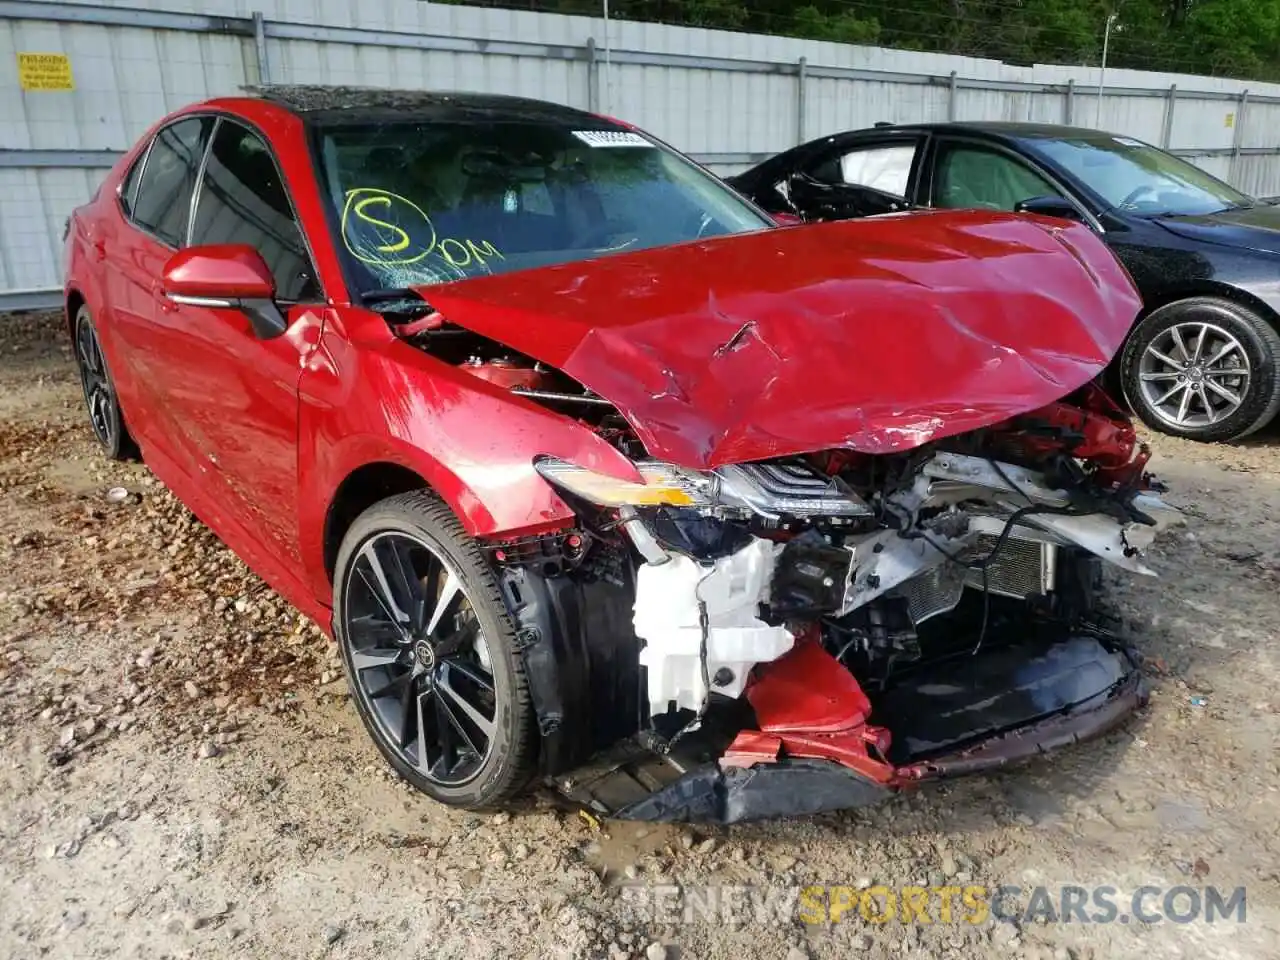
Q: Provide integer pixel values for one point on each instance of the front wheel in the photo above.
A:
(1204, 369)
(431, 654)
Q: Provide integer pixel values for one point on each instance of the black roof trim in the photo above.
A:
(1012, 129)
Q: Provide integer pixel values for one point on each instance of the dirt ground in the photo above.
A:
(181, 773)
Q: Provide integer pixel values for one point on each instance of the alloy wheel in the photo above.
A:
(418, 657)
(1194, 374)
(98, 395)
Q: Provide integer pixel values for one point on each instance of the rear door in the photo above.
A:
(236, 394)
(154, 202)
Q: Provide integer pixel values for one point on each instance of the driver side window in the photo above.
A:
(243, 199)
(970, 176)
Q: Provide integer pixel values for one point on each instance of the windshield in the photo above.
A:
(1134, 176)
(422, 203)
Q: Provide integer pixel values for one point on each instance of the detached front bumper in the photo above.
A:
(1053, 692)
(1074, 726)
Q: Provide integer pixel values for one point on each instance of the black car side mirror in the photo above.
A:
(1059, 207)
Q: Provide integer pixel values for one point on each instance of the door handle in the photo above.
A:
(166, 305)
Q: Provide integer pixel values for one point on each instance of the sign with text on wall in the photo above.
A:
(45, 71)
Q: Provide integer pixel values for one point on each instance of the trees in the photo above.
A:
(1239, 38)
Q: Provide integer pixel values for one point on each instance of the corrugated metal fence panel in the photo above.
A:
(306, 61)
(33, 206)
(1220, 167)
(1204, 124)
(1008, 105)
(129, 75)
(1261, 125)
(835, 105)
(126, 78)
(1258, 175)
(752, 111)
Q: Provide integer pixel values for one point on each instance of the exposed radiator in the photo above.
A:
(1020, 569)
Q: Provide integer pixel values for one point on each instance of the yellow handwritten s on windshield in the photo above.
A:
(373, 229)
(361, 211)
(378, 235)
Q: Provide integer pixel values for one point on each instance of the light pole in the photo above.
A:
(1102, 74)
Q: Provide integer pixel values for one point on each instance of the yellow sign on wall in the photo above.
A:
(1230, 120)
(45, 71)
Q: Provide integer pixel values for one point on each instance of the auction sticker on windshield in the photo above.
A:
(611, 138)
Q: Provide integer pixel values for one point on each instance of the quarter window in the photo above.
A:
(168, 179)
(129, 188)
(243, 200)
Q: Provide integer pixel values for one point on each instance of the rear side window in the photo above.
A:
(243, 200)
(168, 179)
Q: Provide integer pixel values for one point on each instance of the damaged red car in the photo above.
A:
(601, 478)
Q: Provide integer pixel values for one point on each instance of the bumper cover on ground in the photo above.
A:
(997, 709)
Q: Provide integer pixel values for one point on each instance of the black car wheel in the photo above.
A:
(1204, 369)
(99, 391)
(431, 654)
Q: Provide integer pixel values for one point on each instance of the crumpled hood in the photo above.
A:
(1249, 228)
(874, 335)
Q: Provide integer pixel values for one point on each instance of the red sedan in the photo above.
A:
(597, 475)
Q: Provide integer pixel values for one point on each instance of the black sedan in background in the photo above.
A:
(1202, 360)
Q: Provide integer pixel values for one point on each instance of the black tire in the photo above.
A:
(1258, 342)
(101, 400)
(397, 524)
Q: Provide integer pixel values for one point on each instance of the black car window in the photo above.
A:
(168, 178)
(881, 166)
(243, 200)
(970, 176)
(1137, 177)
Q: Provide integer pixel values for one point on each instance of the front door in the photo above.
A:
(237, 394)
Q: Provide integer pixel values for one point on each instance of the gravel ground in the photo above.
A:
(182, 774)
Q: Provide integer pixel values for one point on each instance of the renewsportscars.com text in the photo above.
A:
(969, 904)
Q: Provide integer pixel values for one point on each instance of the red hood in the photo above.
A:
(875, 335)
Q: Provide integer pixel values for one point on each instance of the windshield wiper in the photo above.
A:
(395, 300)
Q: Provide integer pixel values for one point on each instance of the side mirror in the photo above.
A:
(232, 276)
(787, 219)
(1059, 207)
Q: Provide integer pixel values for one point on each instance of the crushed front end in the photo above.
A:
(812, 633)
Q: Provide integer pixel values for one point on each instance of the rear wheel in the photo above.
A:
(431, 653)
(99, 391)
(1204, 369)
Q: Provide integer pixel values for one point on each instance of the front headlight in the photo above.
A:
(664, 485)
(771, 490)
